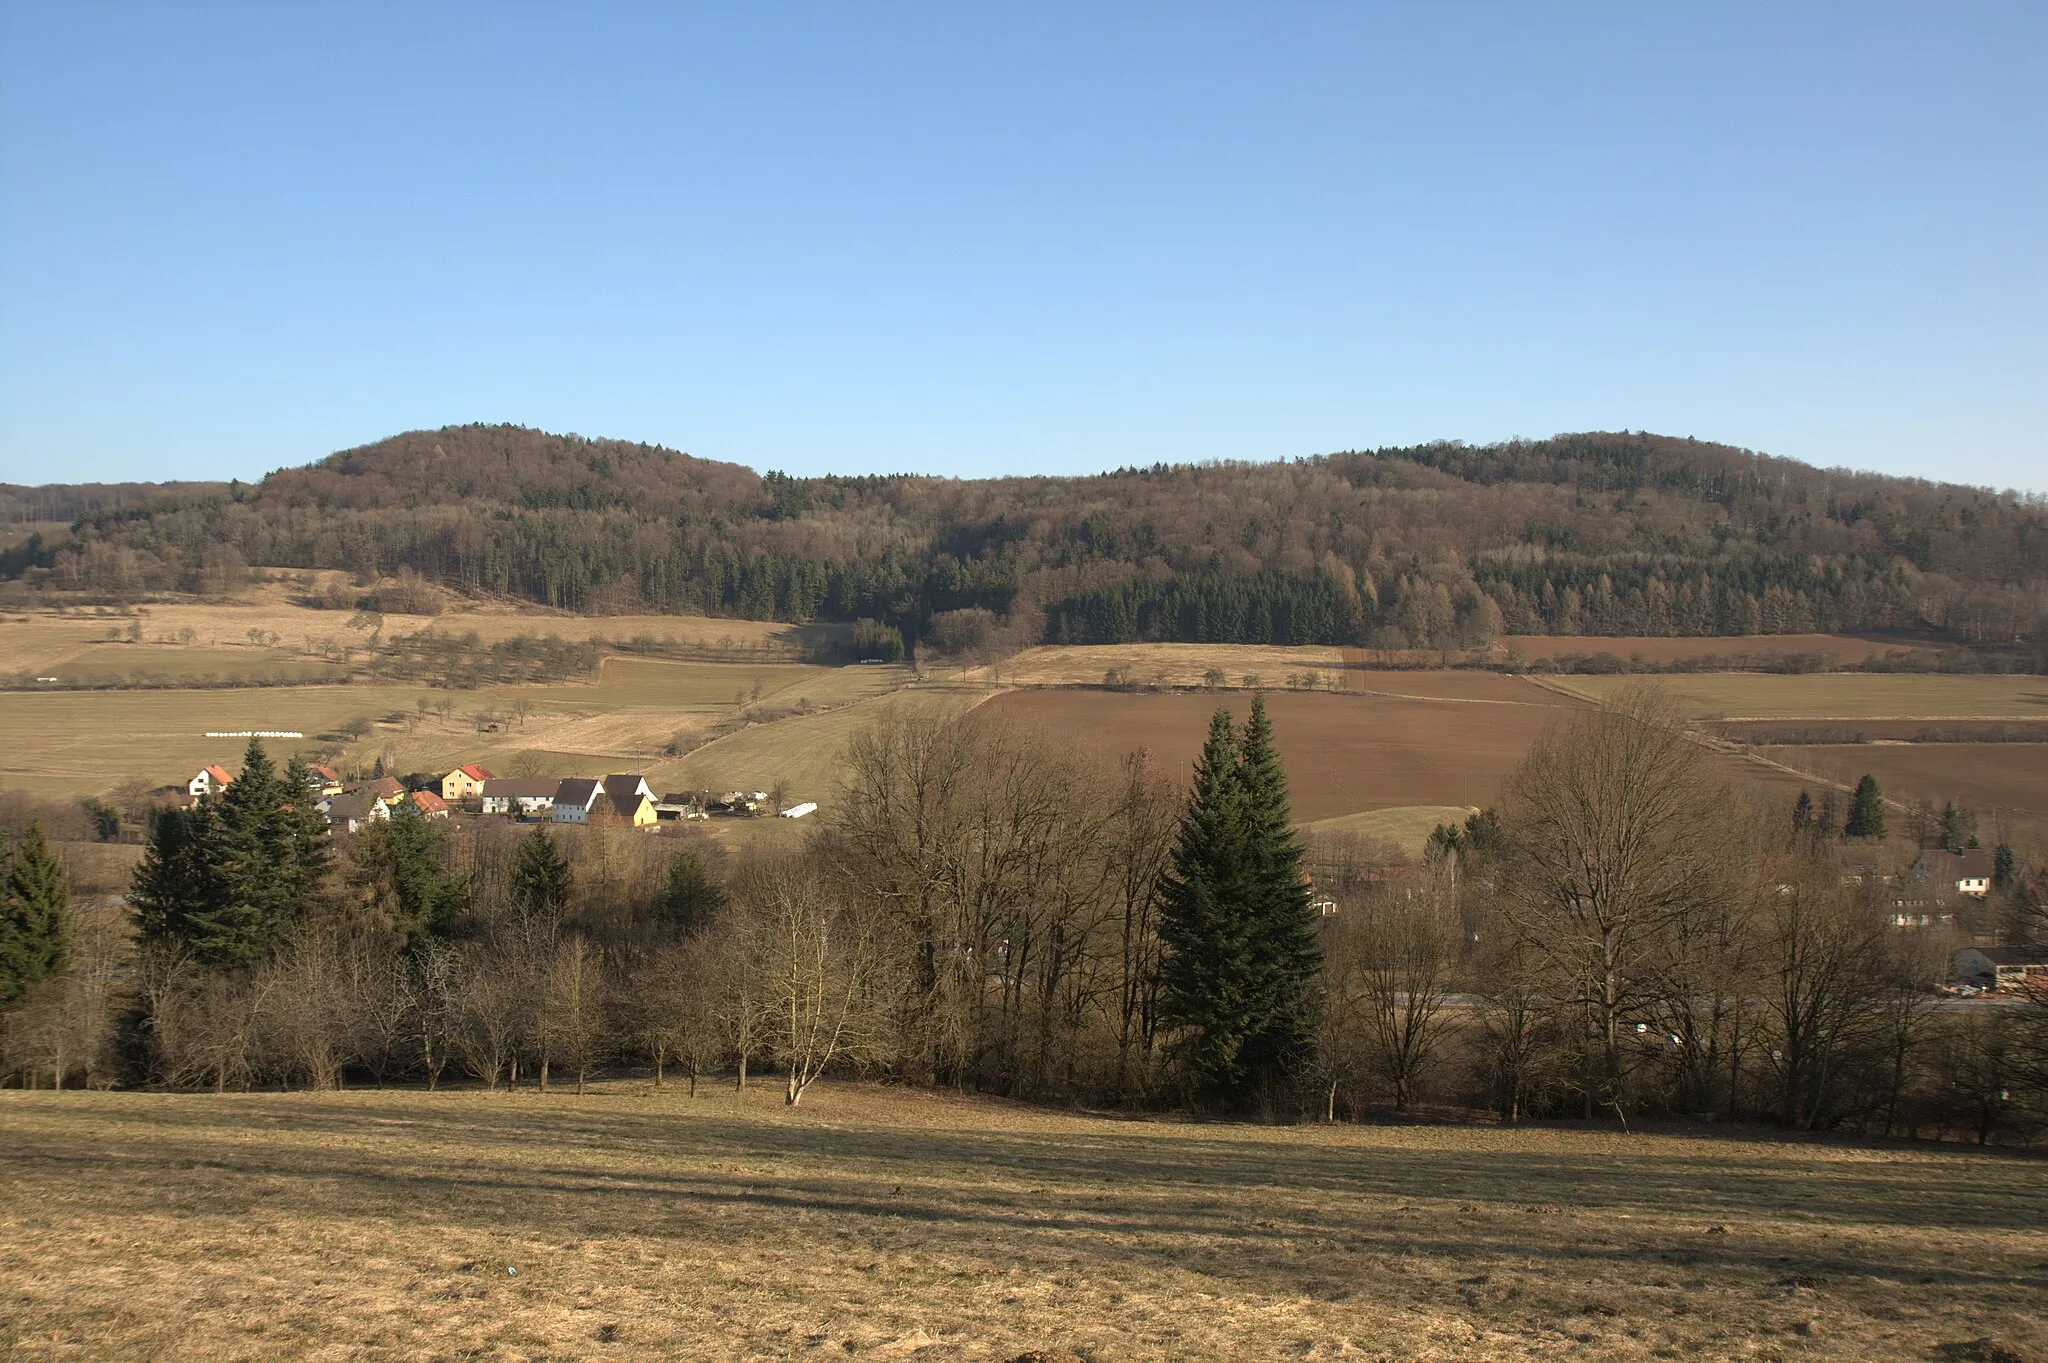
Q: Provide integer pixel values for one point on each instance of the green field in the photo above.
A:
(631, 1223)
(146, 665)
(1838, 695)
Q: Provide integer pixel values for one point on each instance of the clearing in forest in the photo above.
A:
(636, 1223)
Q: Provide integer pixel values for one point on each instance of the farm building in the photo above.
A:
(464, 783)
(797, 811)
(429, 804)
(2002, 967)
(507, 795)
(579, 799)
(1966, 872)
(679, 805)
(389, 789)
(632, 799)
(324, 779)
(209, 781)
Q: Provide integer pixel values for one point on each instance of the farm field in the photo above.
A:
(1406, 826)
(127, 664)
(2007, 777)
(802, 751)
(1345, 754)
(1755, 695)
(79, 742)
(1840, 648)
(1164, 664)
(633, 1223)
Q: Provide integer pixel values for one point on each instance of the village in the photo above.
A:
(625, 800)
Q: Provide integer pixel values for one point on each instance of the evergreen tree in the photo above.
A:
(178, 893)
(306, 847)
(35, 903)
(689, 896)
(1240, 953)
(1205, 964)
(1952, 833)
(1866, 811)
(1802, 814)
(1287, 954)
(2004, 867)
(540, 878)
(399, 868)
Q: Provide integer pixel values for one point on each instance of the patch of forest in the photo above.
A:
(1440, 545)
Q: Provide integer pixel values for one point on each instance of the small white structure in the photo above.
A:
(527, 799)
(799, 810)
(575, 798)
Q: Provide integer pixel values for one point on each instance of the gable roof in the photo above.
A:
(513, 788)
(475, 771)
(428, 802)
(2012, 955)
(576, 790)
(354, 804)
(625, 792)
(219, 774)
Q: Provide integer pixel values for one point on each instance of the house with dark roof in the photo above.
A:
(354, 810)
(632, 799)
(579, 799)
(2002, 967)
(1966, 872)
(527, 799)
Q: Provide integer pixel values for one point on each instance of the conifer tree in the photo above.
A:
(398, 866)
(1286, 953)
(1866, 811)
(35, 903)
(178, 894)
(540, 878)
(1205, 965)
(305, 836)
(689, 895)
(1802, 814)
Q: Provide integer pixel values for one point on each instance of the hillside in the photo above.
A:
(1428, 546)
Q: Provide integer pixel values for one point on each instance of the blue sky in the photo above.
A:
(967, 239)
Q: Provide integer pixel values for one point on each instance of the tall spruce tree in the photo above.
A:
(306, 847)
(540, 877)
(1866, 811)
(1240, 949)
(1286, 951)
(400, 868)
(177, 893)
(35, 905)
(1205, 970)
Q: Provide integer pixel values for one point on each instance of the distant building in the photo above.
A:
(1967, 872)
(797, 811)
(464, 783)
(355, 810)
(389, 789)
(2002, 967)
(324, 779)
(632, 799)
(679, 805)
(527, 799)
(429, 804)
(577, 800)
(210, 781)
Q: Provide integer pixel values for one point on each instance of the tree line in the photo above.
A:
(1426, 546)
(981, 907)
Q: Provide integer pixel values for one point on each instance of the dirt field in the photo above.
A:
(1344, 754)
(1841, 648)
(1748, 695)
(630, 1224)
(1981, 776)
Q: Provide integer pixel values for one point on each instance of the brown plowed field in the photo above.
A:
(1344, 753)
(2011, 777)
(1842, 648)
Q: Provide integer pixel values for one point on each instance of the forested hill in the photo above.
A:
(1434, 545)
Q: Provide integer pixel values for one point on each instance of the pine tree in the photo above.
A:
(689, 897)
(399, 867)
(1287, 954)
(35, 902)
(306, 847)
(1205, 966)
(178, 894)
(1866, 811)
(1802, 814)
(540, 878)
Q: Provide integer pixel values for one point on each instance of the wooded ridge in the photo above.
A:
(1436, 545)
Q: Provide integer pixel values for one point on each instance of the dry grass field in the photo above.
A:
(1407, 826)
(1161, 664)
(636, 1224)
(1345, 754)
(1840, 648)
(1751, 695)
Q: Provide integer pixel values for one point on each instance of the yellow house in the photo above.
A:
(464, 783)
(632, 799)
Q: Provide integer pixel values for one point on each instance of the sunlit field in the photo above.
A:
(633, 1223)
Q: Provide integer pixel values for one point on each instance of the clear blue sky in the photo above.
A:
(969, 238)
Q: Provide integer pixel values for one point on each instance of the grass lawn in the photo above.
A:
(878, 1223)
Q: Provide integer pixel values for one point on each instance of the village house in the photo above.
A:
(2002, 967)
(632, 799)
(677, 806)
(526, 799)
(388, 789)
(323, 779)
(1967, 872)
(429, 804)
(578, 799)
(353, 811)
(464, 783)
(210, 781)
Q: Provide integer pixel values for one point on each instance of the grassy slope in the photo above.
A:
(1841, 695)
(375, 1226)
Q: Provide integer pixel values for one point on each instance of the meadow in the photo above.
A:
(1839, 648)
(632, 1223)
(1998, 780)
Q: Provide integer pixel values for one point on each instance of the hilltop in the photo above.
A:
(1438, 546)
